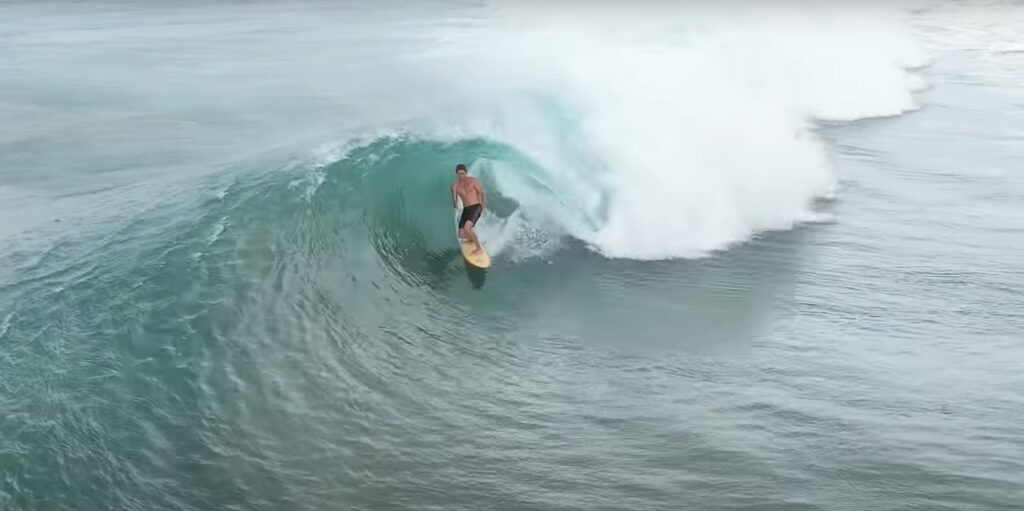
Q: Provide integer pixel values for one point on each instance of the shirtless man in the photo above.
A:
(474, 201)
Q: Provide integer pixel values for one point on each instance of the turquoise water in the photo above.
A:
(228, 275)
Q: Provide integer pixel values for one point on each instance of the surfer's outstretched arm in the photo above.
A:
(455, 204)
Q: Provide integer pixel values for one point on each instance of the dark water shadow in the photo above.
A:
(721, 302)
(724, 301)
(477, 276)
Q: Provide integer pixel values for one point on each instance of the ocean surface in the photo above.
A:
(758, 257)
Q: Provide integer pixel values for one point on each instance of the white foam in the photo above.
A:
(517, 238)
(679, 130)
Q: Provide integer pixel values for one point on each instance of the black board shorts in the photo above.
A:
(470, 214)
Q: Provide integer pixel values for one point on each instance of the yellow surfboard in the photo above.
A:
(480, 259)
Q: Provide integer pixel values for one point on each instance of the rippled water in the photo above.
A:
(249, 297)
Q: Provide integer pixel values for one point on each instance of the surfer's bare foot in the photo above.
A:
(477, 251)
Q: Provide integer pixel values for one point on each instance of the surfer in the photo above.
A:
(474, 201)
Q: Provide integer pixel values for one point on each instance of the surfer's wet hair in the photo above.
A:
(460, 167)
